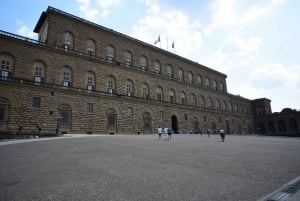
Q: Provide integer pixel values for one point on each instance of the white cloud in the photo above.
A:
(88, 12)
(24, 30)
(253, 13)
(94, 9)
(235, 52)
(171, 24)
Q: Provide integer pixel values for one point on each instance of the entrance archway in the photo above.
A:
(174, 124)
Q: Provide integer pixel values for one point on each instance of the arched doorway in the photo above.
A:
(174, 124)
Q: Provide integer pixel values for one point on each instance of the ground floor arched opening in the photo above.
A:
(174, 124)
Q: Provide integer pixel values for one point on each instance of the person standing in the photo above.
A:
(159, 130)
(222, 134)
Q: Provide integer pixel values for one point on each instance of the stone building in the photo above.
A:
(286, 122)
(81, 77)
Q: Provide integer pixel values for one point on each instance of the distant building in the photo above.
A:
(286, 122)
(80, 77)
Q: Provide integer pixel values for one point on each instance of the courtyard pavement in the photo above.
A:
(143, 168)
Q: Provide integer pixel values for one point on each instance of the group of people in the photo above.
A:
(167, 131)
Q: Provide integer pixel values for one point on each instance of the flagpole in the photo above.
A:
(167, 44)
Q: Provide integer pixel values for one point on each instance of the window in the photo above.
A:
(159, 94)
(7, 63)
(145, 91)
(230, 107)
(215, 84)
(129, 88)
(185, 116)
(172, 96)
(91, 47)
(67, 76)
(36, 102)
(225, 106)
(110, 53)
(221, 85)
(169, 71)
(68, 41)
(207, 84)
(193, 100)
(204, 118)
(143, 63)
(202, 99)
(157, 67)
(199, 80)
(110, 84)
(130, 111)
(191, 78)
(128, 60)
(161, 114)
(90, 107)
(39, 68)
(217, 104)
(180, 75)
(211, 103)
(183, 98)
(90, 81)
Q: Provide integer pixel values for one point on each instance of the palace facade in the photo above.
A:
(81, 77)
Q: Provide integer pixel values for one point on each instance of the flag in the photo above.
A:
(157, 40)
(173, 46)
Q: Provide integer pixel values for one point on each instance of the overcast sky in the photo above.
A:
(256, 43)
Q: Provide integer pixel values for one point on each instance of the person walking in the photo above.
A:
(222, 134)
(166, 132)
(159, 131)
(169, 133)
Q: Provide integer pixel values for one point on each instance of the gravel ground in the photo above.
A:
(141, 167)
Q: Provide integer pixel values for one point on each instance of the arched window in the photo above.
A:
(225, 106)
(191, 78)
(202, 101)
(207, 82)
(180, 75)
(4, 110)
(193, 100)
(230, 107)
(159, 94)
(157, 67)
(183, 98)
(91, 50)
(110, 53)
(90, 81)
(236, 108)
(172, 96)
(169, 71)
(221, 85)
(145, 90)
(211, 106)
(199, 80)
(66, 76)
(128, 58)
(143, 63)
(111, 85)
(129, 88)
(215, 84)
(217, 104)
(39, 71)
(68, 40)
(7, 64)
